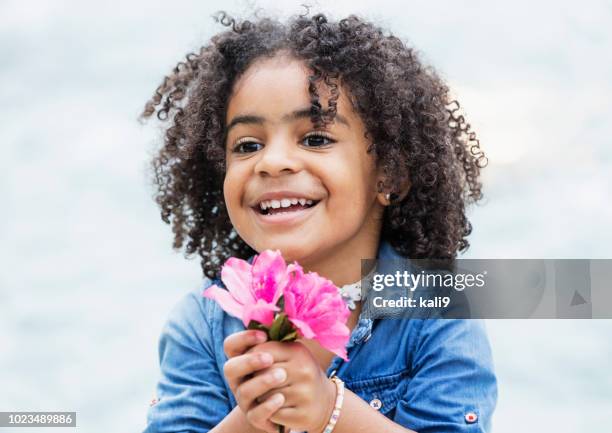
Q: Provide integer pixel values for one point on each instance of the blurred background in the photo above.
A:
(88, 275)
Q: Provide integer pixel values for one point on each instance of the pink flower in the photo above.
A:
(314, 305)
(253, 290)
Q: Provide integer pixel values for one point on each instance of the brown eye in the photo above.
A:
(317, 140)
(246, 147)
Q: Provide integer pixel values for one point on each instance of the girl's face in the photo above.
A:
(274, 152)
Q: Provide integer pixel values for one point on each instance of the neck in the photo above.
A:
(342, 266)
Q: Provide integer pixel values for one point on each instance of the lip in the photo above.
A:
(285, 218)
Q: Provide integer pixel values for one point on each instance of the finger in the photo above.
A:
(280, 351)
(235, 369)
(260, 414)
(239, 342)
(286, 416)
(268, 381)
(288, 392)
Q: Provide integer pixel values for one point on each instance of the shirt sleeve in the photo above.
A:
(191, 393)
(453, 386)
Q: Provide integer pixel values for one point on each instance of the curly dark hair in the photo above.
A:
(414, 127)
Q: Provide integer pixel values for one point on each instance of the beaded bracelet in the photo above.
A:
(339, 399)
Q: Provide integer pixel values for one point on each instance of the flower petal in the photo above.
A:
(268, 272)
(236, 275)
(334, 335)
(304, 328)
(227, 302)
(269, 261)
(341, 352)
(314, 305)
(261, 311)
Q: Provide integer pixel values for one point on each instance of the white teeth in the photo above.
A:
(285, 202)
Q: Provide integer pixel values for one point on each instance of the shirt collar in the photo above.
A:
(386, 258)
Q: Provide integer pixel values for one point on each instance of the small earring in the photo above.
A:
(391, 197)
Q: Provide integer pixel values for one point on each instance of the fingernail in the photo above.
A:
(277, 399)
(266, 358)
(279, 374)
(261, 337)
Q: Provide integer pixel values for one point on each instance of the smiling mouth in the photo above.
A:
(282, 210)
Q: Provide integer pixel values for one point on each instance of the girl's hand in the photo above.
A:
(308, 394)
(238, 370)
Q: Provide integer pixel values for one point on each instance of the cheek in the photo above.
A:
(233, 193)
(232, 188)
(348, 184)
(348, 198)
(227, 187)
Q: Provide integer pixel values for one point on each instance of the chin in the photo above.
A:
(290, 251)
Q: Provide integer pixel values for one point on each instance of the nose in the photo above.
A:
(278, 156)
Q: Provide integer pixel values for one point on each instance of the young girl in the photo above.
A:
(330, 142)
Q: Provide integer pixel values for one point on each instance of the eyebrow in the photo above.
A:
(291, 117)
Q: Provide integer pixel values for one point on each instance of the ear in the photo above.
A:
(392, 191)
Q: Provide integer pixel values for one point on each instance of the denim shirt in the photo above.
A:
(428, 375)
